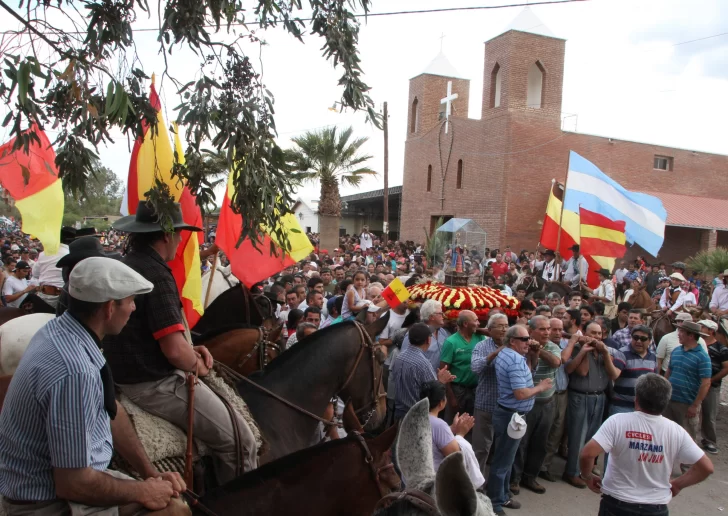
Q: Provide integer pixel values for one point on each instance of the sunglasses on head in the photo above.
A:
(640, 338)
(522, 339)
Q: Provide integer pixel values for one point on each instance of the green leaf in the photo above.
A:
(26, 174)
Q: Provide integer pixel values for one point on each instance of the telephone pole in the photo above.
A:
(385, 224)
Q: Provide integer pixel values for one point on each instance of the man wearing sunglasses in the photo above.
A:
(634, 360)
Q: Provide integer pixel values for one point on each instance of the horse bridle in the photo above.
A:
(262, 344)
(419, 499)
(369, 459)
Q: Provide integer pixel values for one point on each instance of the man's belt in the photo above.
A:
(588, 393)
(50, 290)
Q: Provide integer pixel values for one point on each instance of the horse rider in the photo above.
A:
(679, 267)
(47, 275)
(674, 296)
(79, 249)
(152, 355)
(576, 268)
(719, 301)
(60, 421)
(548, 269)
(604, 293)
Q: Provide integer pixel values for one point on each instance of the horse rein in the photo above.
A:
(419, 499)
(369, 459)
(262, 346)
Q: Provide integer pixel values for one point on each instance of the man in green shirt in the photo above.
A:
(544, 358)
(457, 351)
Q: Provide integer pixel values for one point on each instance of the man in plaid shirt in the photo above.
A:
(623, 337)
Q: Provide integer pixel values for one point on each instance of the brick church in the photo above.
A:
(498, 169)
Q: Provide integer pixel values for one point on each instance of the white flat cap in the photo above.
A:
(677, 276)
(98, 280)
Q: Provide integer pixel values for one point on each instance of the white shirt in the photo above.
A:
(665, 300)
(551, 270)
(606, 289)
(365, 241)
(568, 268)
(719, 299)
(628, 294)
(395, 323)
(45, 270)
(14, 285)
(643, 449)
(620, 273)
(689, 299)
(667, 345)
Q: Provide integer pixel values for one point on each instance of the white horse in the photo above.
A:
(221, 281)
(15, 336)
(451, 487)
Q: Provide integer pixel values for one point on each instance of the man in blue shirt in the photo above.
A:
(516, 394)
(60, 420)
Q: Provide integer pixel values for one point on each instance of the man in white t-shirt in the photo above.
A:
(16, 287)
(643, 447)
(365, 239)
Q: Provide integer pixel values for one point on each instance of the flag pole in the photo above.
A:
(563, 203)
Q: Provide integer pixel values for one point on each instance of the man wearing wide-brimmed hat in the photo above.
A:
(576, 268)
(689, 373)
(548, 269)
(669, 342)
(152, 355)
(719, 300)
(605, 293)
(674, 296)
(47, 275)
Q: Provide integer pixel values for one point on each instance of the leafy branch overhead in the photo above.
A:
(88, 83)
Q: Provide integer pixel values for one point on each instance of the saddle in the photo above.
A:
(165, 443)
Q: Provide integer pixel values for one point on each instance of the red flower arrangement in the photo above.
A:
(475, 298)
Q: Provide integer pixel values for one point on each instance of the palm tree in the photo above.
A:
(331, 157)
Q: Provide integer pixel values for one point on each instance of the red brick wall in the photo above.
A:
(429, 90)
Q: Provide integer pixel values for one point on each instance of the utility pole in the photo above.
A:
(385, 224)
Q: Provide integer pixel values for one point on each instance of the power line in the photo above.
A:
(372, 15)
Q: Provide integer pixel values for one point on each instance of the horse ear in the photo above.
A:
(455, 492)
(351, 422)
(384, 441)
(414, 446)
(377, 326)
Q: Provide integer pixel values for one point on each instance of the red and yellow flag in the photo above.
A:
(252, 265)
(155, 151)
(32, 181)
(396, 293)
(602, 238)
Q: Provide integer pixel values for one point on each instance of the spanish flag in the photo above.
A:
(32, 181)
(602, 238)
(570, 231)
(155, 150)
(251, 265)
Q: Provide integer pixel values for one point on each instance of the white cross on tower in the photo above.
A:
(448, 104)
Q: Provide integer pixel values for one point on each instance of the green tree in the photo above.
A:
(103, 198)
(88, 81)
(330, 157)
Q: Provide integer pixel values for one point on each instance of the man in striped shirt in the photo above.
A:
(634, 361)
(60, 420)
(689, 373)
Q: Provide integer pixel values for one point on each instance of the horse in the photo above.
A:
(235, 306)
(222, 280)
(8, 313)
(661, 325)
(15, 336)
(355, 471)
(243, 348)
(641, 299)
(341, 360)
(450, 492)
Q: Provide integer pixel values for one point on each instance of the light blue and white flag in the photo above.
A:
(592, 189)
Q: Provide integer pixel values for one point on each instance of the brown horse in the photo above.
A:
(661, 325)
(345, 476)
(641, 299)
(235, 306)
(244, 349)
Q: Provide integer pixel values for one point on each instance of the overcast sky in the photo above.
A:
(632, 72)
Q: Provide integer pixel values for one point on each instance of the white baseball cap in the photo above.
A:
(101, 279)
(517, 426)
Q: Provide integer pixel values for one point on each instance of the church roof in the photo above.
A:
(527, 21)
(442, 66)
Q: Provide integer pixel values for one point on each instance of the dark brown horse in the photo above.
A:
(661, 325)
(341, 360)
(345, 476)
(233, 307)
(244, 349)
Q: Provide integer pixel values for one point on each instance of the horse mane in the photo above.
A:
(222, 298)
(301, 346)
(284, 464)
(222, 329)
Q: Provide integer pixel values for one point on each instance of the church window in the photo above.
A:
(429, 178)
(414, 116)
(663, 163)
(534, 96)
(460, 174)
(495, 86)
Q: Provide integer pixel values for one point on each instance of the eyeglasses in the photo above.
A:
(640, 338)
(522, 339)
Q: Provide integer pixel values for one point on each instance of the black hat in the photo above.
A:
(21, 265)
(605, 272)
(146, 221)
(574, 247)
(68, 233)
(550, 252)
(80, 249)
(84, 232)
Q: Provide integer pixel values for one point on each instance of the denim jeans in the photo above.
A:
(532, 450)
(584, 419)
(610, 506)
(503, 457)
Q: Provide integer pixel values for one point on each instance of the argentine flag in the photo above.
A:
(592, 189)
